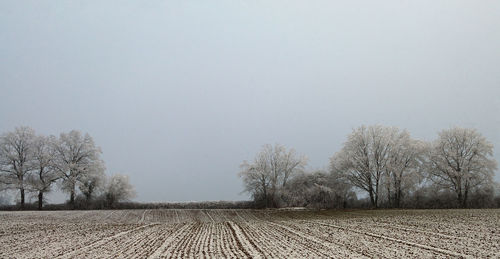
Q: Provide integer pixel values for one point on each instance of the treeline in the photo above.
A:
(189, 205)
(101, 204)
(385, 164)
(34, 164)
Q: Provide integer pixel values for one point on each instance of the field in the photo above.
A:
(250, 233)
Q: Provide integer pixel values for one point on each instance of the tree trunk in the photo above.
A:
(22, 198)
(274, 201)
(264, 188)
(72, 199)
(40, 200)
(88, 196)
(464, 199)
(397, 192)
(397, 199)
(377, 190)
(372, 199)
(388, 196)
(459, 198)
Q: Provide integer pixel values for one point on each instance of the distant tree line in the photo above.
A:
(392, 169)
(189, 205)
(101, 204)
(34, 164)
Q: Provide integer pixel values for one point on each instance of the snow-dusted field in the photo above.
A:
(248, 233)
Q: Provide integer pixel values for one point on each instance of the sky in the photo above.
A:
(178, 93)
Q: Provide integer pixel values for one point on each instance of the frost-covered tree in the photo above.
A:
(403, 170)
(309, 190)
(92, 183)
(256, 180)
(365, 158)
(318, 189)
(118, 188)
(461, 159)
(76, 157)
(15, 158)
(270, 171)
(42, 164)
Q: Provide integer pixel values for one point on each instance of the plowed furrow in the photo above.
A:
(400, 241)
(103, 241)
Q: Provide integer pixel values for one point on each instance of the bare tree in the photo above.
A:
(42, 164)
(91, 183)
(404, 166)
(309, 190)
(118, 189)
(461, 159)
(365, 157)
(318, 189)
(15, 156)
(256, 179)
(270, 171)
(76, 157)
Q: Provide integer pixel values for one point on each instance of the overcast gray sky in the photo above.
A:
(179, 93)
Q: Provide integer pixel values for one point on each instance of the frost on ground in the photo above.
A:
(250, 233)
